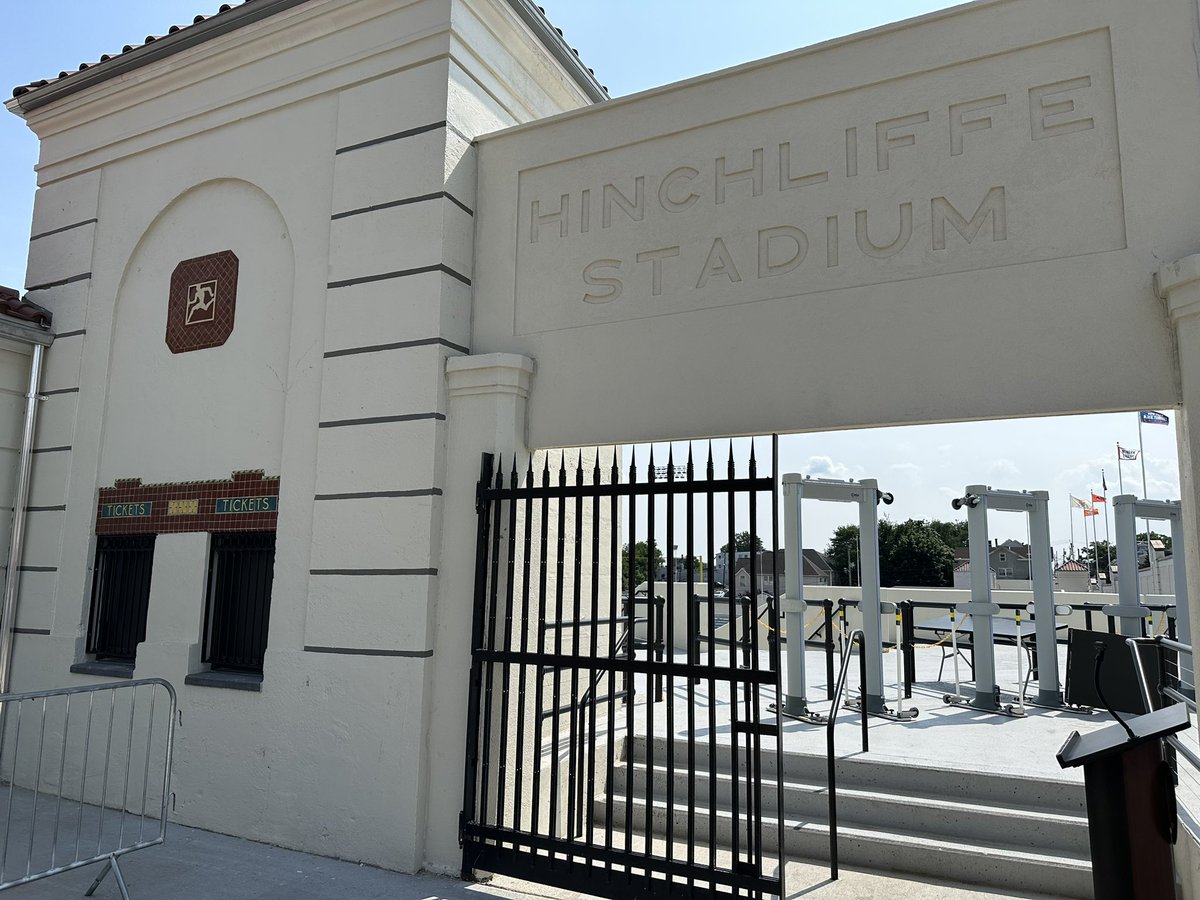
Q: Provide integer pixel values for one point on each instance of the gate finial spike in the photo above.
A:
(689, 462)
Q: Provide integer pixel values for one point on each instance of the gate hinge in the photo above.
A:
(462, 828)
(479, 504)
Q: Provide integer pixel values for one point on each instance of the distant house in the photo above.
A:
(962, 576)
(1073, 576)
(1009, 560)
(816, 571)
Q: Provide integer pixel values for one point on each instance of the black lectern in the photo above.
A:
(1130, 803)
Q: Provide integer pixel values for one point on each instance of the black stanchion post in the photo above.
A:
(862, 687)
(828, 605)
(910, 650)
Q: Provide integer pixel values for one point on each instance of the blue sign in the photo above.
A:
(126, 510)
(247, 505)
(1154, 418)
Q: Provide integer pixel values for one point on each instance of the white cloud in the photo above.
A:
(825, 467)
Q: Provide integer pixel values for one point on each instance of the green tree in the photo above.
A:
(910, 553)
(641, 563)
(953, 534)
(842, 555)
(743, 542)
(915, 556)
(1101, 549)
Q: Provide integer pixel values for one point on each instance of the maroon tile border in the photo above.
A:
(201, 303)
(135, 499)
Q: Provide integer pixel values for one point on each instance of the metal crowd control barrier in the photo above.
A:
(86, 776)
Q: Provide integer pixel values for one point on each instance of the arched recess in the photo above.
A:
(201, 414)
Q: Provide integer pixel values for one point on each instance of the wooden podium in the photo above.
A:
(1130, 803)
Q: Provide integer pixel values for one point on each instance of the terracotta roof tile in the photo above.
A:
(23, 89)
(13, 306)
(128, 48)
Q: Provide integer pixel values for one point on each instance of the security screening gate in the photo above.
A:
(867, 496)
(1127, 509)
(978, 499)
(617, 748)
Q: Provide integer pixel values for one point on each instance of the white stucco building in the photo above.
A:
(308, 259)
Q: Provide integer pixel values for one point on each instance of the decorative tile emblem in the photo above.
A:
(202, 301)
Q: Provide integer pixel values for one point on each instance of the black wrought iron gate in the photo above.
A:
(617, 745)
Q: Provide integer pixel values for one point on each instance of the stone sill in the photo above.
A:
(103, 667)
(236, 681)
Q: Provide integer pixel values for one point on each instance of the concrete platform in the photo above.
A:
(200, 865)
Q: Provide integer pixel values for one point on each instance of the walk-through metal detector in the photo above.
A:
(866, 493)
(979, 498)
(1127, 509)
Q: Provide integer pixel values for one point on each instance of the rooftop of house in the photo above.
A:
(14, 307)
(231, 16)
(814, 562)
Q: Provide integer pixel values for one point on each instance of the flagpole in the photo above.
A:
(1107, 539)
(1071, 519)
(1142, 454)
(1095, 548)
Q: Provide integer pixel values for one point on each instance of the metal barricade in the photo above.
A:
(86, 773)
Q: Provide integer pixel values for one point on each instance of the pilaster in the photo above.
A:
(487, 396)
(1179, 287)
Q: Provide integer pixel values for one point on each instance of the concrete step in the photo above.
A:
(962, 861)
(953, 783)
(948, 819)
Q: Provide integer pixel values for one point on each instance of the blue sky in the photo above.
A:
(634, 45)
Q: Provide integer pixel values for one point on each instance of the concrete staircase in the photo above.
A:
(978, 829)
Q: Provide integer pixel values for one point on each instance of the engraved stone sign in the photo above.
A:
(1006, 159)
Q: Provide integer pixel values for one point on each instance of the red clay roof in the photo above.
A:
(21, 90)
(128, 48)
(12, 306)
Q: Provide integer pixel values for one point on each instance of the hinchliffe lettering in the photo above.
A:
(751, 173)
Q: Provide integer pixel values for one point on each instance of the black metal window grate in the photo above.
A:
(120, 595)
(240, 572)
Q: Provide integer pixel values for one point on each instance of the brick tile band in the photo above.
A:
(249, 501)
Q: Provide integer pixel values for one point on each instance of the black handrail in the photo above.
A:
(855, 635)
(580, 711)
